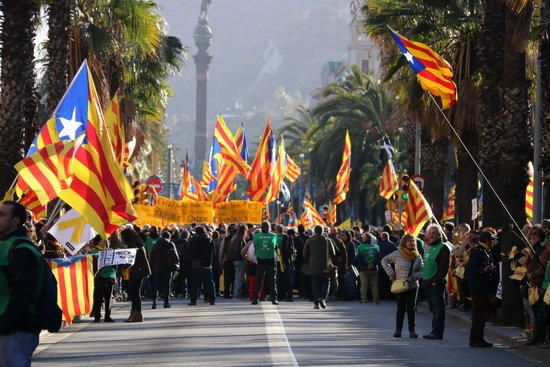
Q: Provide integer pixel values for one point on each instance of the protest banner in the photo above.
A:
(146, 215)
(254, 212)
(239, 211)
(197, 212)
(116, 257)
(169, 210)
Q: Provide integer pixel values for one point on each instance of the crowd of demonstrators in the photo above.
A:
(453, 267)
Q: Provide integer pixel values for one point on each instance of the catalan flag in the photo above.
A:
(305, 220)
(432, 71)
(293, 170)
(529, 196)
(449, 213)
(332, 214)
(316, 218)
(115, 127)
(48, 171)
(418, 210)
(395, 218)
(185, 179)
(228, 173)
(278, 174)
(207, 174)
(229, 151)
(75, 285)
(389, 182)
(342, 178)
(259, 176)
(30, 201)
(99, 190)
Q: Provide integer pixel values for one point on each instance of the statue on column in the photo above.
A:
(204, 8)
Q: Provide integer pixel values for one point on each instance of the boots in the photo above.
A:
(135, 316)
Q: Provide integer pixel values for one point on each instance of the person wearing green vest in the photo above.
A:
(265, 244)
(103, 284)
(368, 258)
(19, 327)
(434, 275)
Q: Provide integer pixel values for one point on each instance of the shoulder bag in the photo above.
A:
(402, 285)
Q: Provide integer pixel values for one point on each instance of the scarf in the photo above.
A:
(408, 254)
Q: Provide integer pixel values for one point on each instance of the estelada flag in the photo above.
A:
(229, 151)
(75, 285)
(99, 191)
(293, 171)
(432, 71)
(278, 174)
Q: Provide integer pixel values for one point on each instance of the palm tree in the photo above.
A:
(18, 104)
(544, 58)
(444, 25)
(57, 70)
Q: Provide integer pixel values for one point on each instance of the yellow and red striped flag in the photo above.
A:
(278, 174)
(99, 191)
(418, 210)
(529, 197)
(207, 175)
(75, 285)
(332, 214)
(229, 151)
(305, 220)
(31, 202)
(228, 173)
(259, 175)
(115, 127)
(195, 191)
(342, 178)
(395, 218)
(449, 213)
(389, 182)
(293, 170)
(316, 218)
(432, 71)
(47, 171)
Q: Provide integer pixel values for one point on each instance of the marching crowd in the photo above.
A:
(451, 266)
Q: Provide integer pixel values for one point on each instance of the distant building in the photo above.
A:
(362, 51)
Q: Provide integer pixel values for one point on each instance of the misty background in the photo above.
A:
(267, 60)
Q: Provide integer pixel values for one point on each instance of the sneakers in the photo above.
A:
(323, 305)
(154, 306)
(316, 306)
(275, 302)
(254, 302)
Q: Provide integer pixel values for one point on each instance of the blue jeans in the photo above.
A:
(320, 285)
(435, 296)
(16, 349)
(239, 278)
(203, 275)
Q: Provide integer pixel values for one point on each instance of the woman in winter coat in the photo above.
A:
(138, 271)
(408, 264)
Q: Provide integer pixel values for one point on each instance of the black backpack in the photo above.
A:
(45, 301)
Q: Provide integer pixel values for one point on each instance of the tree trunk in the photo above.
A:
(57, 71)
(511, 312)
(434, 164)
(544, 57)
(17, 78)
(466, 178)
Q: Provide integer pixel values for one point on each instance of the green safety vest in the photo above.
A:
(5, 247)
(265, 244)
(430, 264)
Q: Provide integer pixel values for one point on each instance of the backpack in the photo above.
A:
(45, 300)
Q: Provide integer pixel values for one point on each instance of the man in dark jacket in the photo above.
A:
(286, 271)
(182, 282)
(19, 326)
(337, 281)
(480, 273)
(164, 261)
(434, 275)
(302, 280)
(201, 250)
(315, 263)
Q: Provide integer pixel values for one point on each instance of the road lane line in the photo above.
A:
(279, 346)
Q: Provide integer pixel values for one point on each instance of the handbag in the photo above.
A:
(330, 268)
(546, 298)
(402, 285)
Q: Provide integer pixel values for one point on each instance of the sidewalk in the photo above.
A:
(509, 336)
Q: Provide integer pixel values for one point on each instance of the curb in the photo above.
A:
(515, 343)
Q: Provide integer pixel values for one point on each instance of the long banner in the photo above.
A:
(169, 211)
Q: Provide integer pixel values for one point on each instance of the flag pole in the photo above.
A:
(480, 171)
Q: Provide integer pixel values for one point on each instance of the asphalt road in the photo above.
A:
(235, 333)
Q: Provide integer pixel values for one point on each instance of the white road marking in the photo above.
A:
(279, 347)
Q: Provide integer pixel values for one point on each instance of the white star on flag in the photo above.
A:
(69, 126)
(409, 57)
